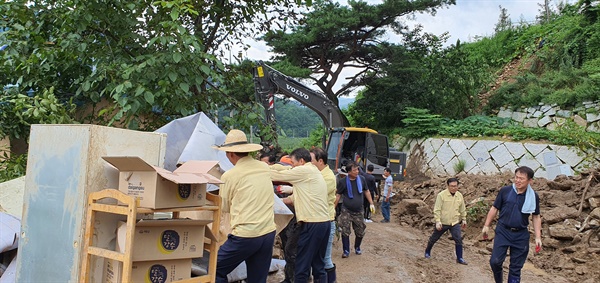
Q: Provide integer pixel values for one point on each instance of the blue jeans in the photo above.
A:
(257, 253)
(328, 261)
(385, 209)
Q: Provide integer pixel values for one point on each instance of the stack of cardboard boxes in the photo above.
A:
(162, 249)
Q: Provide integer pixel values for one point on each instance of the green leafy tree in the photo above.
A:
(147, 60)
(11, 165)
(18, 112)
(294, 119)
(400, 84)
(455, 80)
(332, 38)
(504, 22)
(422, 74)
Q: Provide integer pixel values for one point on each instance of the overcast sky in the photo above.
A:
(465, 20)
(470, 18)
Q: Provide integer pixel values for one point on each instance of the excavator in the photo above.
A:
(362, 145)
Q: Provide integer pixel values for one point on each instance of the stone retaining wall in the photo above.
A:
(551, 117)
(440, 155)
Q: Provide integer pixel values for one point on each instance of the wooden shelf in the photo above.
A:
(129, 208)
(179, 209)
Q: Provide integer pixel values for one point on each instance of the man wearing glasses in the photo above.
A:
(449, 213)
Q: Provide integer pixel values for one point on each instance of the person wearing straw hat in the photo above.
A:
(247, 195)
(312, 213)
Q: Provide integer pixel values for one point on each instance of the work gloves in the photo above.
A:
(438, 226)
(372, 207)
(485, 231)
(285, 189)
(464, 224)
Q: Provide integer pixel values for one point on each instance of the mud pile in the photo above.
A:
(570, 208)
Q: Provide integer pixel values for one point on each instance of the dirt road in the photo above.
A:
(394, 253)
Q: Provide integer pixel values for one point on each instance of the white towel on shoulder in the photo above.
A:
(529, 204)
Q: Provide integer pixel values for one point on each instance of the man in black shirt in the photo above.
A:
(351, 189)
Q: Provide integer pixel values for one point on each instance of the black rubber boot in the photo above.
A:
(428, 250)
(459, 255)
(357, 242)
(513, 279)
(322, 279)
(346, 246)
(331, 277)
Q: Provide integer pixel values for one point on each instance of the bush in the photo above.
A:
(420, 123)
(477, 211)
(13, 166)
(474, 126)
(569, 133)
(563, 97)
(459, 166)
(288, 144)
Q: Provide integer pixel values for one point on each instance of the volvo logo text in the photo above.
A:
(296, 91)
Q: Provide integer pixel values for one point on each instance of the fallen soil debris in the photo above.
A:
(393, 252)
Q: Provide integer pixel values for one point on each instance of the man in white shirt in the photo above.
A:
(387, 192)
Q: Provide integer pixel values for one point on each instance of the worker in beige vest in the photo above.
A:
(247, 195)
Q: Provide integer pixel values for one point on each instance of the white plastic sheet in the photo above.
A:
(9, 240)
(241, 273)
(192, 138)
(9, 232)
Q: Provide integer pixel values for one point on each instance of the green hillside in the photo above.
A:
(425, 87)
(558, 59)
(430, 90)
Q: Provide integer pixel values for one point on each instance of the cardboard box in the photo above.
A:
(150, 271)
(155, 187)
(164, 239)
(194, 166)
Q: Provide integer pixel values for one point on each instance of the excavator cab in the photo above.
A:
(361, 145)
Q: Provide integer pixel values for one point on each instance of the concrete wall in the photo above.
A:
(440, 155)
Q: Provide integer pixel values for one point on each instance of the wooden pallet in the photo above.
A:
(130, 210)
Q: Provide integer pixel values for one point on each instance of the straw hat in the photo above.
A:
(236, 141)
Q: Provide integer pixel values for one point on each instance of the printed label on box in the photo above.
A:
(164, 239)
